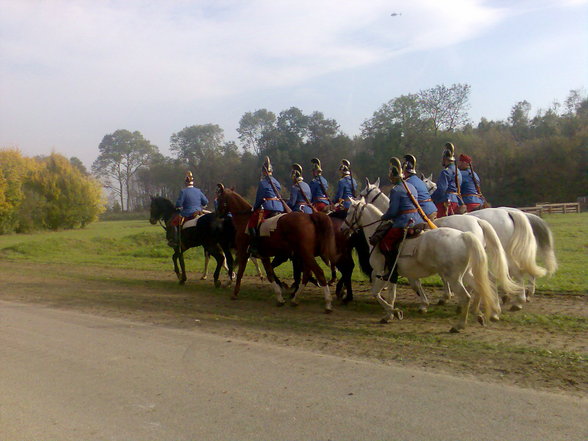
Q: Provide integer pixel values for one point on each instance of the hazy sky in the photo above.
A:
(74, 71)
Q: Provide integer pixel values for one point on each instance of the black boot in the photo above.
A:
(390, 260)
(254, 239)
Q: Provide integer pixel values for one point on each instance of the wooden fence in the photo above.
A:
(564, 208)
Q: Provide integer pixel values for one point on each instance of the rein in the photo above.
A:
(355, 218)
(376, 197)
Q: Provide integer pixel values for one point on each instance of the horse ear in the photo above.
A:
(431, 177)
(422, 176)
(232, 188)
(377, 183)
(220, 188)
(367, 182)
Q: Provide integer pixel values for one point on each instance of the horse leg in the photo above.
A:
(310, 263)
(418, 288)
(276, 262)
(447, 294)
(229, 264)
(206, 259)
(175, 261)
(300, 287)
(271, 277)
(333, 275)
(257, 268)
(531, 291)
(464, 302)
(183, 278)
(388, 306)
(242, 259)
(219, 256)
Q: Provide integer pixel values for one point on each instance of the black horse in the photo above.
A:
(216, 235)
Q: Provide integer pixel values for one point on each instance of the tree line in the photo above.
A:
(522, 160)
(48, 192)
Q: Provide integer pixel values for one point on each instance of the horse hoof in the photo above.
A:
(454, 330)
(203, 277)
(217, 284)
(234, 298)
(441, 302)
(293, 304)
(494, 318)
(328, 311)
(182, 282)
(515, 308)
(384, 320)
(422, 310)
(279, 304)
(398, 314)
(481, 320)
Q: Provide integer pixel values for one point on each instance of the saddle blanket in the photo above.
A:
(268, 225)
(409, 247)
(192, 222)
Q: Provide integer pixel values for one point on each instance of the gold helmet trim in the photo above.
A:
(449, 152)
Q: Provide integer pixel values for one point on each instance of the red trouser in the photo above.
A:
(320, 206)
(442, 210)
(257, 216)
(473, 207)
(392, 237)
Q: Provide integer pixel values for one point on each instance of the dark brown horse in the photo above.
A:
(298, 235)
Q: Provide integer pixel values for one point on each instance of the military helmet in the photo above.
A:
(449, 152)
(345, 167)
(316, 165)
(296, 172)
(395, 170)
(189, 180)
(409, 164)
(267, 166)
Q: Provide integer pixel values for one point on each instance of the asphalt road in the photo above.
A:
(71, 376)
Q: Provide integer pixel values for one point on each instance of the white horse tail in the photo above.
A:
(479, 266)
(523, 247)
(544, 239)
(497, 261)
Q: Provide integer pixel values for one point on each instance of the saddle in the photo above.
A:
(416, 230)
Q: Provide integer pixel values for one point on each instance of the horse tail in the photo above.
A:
(497, 260)
(523, 247)
(478, 263)
(360, 243)
(325, 237)
(545, 244)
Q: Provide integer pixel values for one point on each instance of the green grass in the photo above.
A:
(138, 245)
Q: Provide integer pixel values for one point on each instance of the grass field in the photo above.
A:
(123, 268)
(136, 244)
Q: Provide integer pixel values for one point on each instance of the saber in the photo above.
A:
(432, 226)
(314, 210)
(277, 193)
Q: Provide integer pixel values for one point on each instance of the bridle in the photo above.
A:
(376, 197)
(354, 226)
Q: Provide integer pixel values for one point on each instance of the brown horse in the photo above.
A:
(298, 235)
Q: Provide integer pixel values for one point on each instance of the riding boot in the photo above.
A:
(254, 240)
(390, 261)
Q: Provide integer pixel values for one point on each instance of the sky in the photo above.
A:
(73, 71)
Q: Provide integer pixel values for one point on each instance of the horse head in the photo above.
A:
(230, 201)
(429, 183)
(161, 208)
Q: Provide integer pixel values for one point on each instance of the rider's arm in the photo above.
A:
(394, 206)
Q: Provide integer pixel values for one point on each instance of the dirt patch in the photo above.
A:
(544, 346)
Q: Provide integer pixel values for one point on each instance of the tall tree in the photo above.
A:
(122, 154)
(446, 107)
(253, 129)
(519, 120)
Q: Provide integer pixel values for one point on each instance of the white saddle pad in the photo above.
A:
(268, 226)
(193, 222)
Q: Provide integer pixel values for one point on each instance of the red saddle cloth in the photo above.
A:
(178, 220)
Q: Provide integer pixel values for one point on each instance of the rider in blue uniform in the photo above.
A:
(410, 176)
(300, 193)
(191, 200)
(346, 186)
(268, 202)
(190, 203)
(470, 184)
(446, 197)
(402, 213)
(318, 187)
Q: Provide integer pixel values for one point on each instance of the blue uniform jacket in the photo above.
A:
(191, 200)
(468, 188)
(344, 191)
(424, 198)
(400, 202)
(265, 196)
(297, 202)
(318, 195)
(446, 189)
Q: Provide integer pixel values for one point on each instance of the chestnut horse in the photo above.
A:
(298, 235)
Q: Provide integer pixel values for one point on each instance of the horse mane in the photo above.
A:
(164, 203)
(238, 198)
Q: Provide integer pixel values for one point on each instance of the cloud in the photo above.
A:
(191, 50)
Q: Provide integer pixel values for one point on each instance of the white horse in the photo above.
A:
(497, 259)
(521, 235)
(444, 251)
